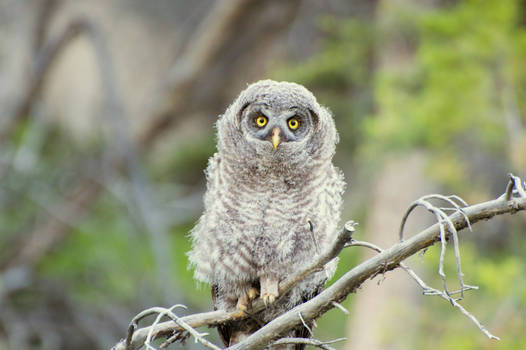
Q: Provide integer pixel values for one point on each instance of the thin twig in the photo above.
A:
(305, 324)
(342, 309)
(432, 291)
(161, 313)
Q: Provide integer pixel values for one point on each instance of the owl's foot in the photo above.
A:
(252, 293)
(245, 300)
(269, 289)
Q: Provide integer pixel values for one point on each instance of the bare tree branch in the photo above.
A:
(199, 337)
(385, 261)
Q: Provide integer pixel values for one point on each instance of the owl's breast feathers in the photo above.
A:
(269, 221)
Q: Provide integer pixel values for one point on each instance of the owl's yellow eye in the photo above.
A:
(293, 123)
(261, 121)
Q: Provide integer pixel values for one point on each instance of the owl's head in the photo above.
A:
(277, 120)
(273, 122)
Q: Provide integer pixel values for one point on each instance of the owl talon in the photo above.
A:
(268, 299)
(269, 289)
(243, 303)
(252, 293)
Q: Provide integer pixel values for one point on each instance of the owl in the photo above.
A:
(272, 203)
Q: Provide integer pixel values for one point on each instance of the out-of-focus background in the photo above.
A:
(107, 112)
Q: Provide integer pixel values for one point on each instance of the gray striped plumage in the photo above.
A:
(267, 211)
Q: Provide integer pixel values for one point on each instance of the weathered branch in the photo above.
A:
(385, 261)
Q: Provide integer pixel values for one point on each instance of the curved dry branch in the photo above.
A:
(445, 223)
(387, 260)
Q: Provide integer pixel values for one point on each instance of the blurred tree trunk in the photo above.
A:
(385, 308)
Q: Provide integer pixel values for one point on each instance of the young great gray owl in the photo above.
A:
(272, 203)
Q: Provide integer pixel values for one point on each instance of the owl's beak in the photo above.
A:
(276, 137)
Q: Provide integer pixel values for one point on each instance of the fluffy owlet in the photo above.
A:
(272, 203)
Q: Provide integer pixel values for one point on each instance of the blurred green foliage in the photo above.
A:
(452, 86)
(451, 99)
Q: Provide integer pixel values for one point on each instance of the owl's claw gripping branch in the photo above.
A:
(269, 289)
(252, 293)
(245, 300)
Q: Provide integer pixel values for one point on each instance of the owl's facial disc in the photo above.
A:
(276, 126)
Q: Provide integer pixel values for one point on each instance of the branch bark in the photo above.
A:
(387, 260)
